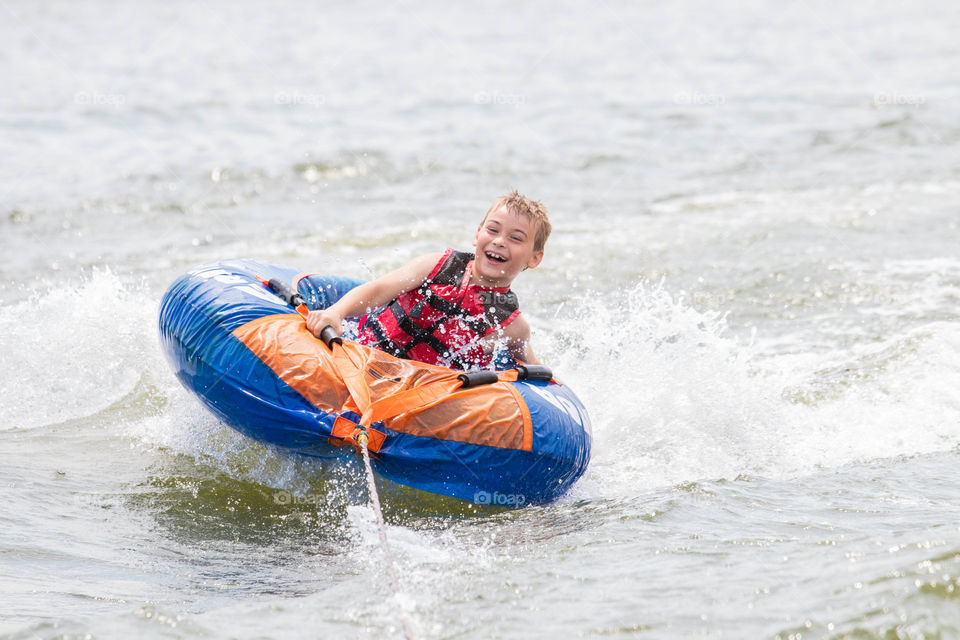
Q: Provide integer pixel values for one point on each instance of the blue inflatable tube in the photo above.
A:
(245, 353)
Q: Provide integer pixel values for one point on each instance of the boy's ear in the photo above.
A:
(535, 259)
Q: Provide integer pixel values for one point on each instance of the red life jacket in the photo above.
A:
(442, 321)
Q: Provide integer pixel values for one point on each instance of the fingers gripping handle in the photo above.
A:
(330, 337)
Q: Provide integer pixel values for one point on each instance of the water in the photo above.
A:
(753, 284)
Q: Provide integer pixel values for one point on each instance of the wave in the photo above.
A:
(672, 396)
(674, 399)
(74, 351)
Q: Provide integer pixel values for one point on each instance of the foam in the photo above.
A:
(672, 396)
(89, 353)
(74, 351)
(673, 399)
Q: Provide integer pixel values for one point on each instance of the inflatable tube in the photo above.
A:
(245, 353)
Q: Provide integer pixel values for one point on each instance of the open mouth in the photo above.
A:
(494, 257)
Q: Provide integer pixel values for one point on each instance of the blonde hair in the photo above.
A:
(533, 210)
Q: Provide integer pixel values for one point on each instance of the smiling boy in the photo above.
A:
(449, 309)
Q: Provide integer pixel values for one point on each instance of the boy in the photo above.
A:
(449, 309)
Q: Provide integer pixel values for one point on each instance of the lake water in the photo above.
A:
(753, 284)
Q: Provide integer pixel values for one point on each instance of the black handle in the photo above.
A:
(330, 337)
(535, 372)
(477, 378)
(285, 291)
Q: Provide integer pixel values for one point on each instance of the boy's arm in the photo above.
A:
(373, 294)
(518, 339)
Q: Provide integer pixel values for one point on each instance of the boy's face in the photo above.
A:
(504, 245)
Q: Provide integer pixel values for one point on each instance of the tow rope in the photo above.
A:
(362, 439)
(382, 533)
(349, 427)
(359, 435)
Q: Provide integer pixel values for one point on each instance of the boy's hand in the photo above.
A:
(371, 295)
(317, 320)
